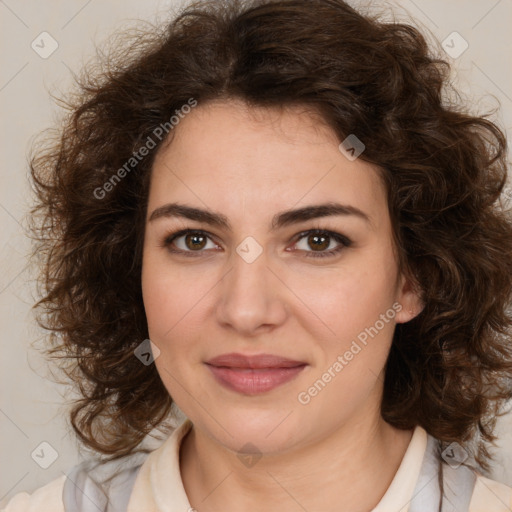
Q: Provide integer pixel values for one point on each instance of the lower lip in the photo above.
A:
(254, 381)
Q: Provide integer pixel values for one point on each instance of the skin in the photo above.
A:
(249, 164)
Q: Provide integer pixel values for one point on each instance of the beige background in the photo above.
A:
(30, 404)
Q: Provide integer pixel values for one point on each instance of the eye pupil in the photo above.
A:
(315, 239)
(195, 237)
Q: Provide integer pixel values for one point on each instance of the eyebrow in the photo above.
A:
(282, 219)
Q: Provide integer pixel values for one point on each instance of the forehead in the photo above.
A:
(232, 158)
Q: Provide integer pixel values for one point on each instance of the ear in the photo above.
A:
(409, 297)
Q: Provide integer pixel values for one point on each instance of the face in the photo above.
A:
(321, 291)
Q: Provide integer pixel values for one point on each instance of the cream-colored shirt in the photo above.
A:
(159, 487)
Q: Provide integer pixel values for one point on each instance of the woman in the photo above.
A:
(270, 216)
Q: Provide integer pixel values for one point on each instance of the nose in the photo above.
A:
(251, 297)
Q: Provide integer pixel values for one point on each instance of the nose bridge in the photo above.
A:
(250, 294)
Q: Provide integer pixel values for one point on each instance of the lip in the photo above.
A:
(235, 360)
(251, 375)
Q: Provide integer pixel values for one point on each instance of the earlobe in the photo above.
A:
(409, 297)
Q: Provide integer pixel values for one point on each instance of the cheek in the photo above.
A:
(170, 295)
(157, 301)
(174, 301)
(345, 301)
(167, 300)
(351, 360)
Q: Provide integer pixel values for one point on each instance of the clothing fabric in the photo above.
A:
(155, 485)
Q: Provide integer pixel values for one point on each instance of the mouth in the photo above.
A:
(252, 375)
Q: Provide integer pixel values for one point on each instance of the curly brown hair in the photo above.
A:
(449, 369)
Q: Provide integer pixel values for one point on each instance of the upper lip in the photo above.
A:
(235, 360)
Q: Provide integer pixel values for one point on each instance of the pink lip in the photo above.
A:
(251, 375)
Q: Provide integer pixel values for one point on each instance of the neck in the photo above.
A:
(367, 456)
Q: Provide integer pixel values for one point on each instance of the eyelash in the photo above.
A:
(341, 239)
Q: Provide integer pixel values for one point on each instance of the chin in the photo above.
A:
(263, 431)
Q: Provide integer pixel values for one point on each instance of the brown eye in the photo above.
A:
(188, 242)
(319, 240)
(195, 241)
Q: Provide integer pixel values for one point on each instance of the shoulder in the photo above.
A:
(44, 499)
(83, 488)
(490, 496)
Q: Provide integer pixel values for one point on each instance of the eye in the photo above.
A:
(321, 239)
(193, 242)
(190, 242)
